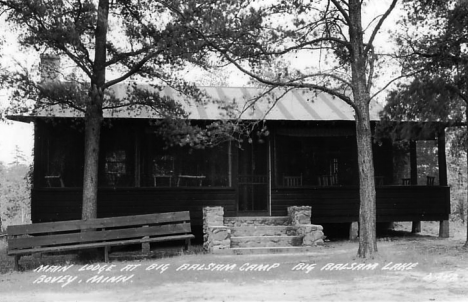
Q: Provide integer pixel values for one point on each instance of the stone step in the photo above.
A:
(256, 230)
(271, 250)
(253, 220)
(266, 241)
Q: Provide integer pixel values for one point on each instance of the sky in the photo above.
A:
(15, 134)
(12, 133)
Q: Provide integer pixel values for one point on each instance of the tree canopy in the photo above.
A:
(107, 42)
(328, 47)
(434, 45)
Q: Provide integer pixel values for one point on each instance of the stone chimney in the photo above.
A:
(50, 68)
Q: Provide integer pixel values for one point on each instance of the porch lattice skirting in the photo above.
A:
(258, 235)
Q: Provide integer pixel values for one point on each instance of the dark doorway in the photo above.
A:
(253, 197)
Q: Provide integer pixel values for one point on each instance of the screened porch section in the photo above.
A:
(132, 156)
(315, 161)
(129, 157)
(308, 165)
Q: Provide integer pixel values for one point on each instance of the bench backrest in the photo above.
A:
(97, 230)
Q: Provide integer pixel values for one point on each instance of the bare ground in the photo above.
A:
(408, 268)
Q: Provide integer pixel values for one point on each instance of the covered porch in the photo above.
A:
(260, 178)
(303, 153)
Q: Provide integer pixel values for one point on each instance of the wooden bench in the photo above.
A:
(95, 233)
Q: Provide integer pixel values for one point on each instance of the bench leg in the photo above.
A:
(17, 258)
(145, 246)
(106, 253)
(187, 244)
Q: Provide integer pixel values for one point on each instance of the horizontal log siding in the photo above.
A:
(329, 205)
(413, 203)
(341, 204)
(65, 204)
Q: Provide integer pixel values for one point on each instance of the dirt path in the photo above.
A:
(446, 286)
(407, 269)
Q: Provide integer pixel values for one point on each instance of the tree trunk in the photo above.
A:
(93, 116)
(93, 121)
(466, 208)
(367, 208)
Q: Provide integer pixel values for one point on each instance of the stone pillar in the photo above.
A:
(299, 215)
(300, 218)
(216, 236)
(444, 229)
(312, 234)
(213, 216)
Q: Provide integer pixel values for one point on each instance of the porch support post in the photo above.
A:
(413, 163)
(442, 158)
(416, 227)
(444, 224)
(444, 229)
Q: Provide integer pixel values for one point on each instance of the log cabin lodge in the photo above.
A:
(309, 157)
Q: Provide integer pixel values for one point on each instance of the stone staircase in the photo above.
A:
(261, 235)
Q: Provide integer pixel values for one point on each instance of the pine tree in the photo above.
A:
(127, 39)
(18, 157)
(433, 44)
(330, 34)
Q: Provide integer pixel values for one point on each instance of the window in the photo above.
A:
(184, 166)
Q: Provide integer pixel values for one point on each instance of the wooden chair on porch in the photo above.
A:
(328, 180)
(334, 180)
(292, 181)
(54, 181)
(430, 180)
(197, 178)
(323, 180)
(167, 178)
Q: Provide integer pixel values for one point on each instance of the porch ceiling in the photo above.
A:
(246, 103)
